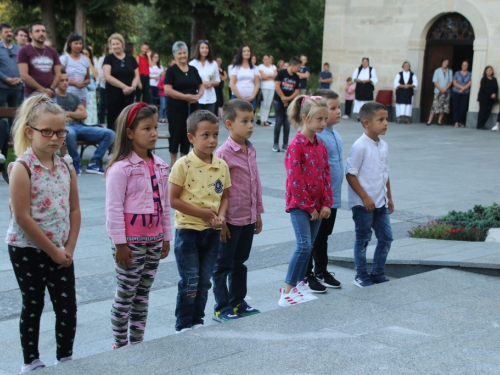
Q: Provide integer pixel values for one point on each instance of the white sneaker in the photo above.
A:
(493, 129)
(184, 330)
(65, 359)
(290, 299)
(2, 158)
(345, 116)
(197, 326)
(35, 365)
(307, 293)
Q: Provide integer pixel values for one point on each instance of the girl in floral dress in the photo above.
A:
(44, 226)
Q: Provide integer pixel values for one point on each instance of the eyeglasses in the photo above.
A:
(50, 133)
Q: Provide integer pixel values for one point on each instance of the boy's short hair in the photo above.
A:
(326, 64)
(295, 61)
(326, 94)
(198, 116)
(368, 110)
(230, 109)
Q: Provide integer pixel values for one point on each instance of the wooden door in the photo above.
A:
(434, 54)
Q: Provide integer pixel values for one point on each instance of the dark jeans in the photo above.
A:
(348, 107)
(460, 105)
(155, 98)
(195, 253)
(35, 271)
(230, 272)
(209, 107)
(102, 105)
(145, 93)
(4, 141)
(364, 221)
(281, 120)
(485, 108)
(11, 98)
(320, 247)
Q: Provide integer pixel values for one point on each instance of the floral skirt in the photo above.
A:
(441, 103)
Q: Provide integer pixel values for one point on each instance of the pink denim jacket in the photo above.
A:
(129, 190)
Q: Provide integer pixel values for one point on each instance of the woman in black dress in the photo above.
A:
(487, 96)
(121, 74)
(183, 86)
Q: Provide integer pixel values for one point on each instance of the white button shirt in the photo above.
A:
(209, 72)
(369, 162)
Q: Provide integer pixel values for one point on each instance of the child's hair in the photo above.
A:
(231, 107)
(326, 64)
(326, 94)
(198, 116)
(369, 110)
(122, 146)
(305, 105)
(349, 79)
(28, 114)
(295, 61)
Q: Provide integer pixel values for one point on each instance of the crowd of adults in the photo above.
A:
(95, 91)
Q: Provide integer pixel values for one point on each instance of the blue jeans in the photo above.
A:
(305, 234)
(195, 253)
(253, 102)
(230, 272)
(87, 133)
(364, 221)
(163, 107)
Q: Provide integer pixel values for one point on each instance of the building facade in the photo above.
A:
(422, 32)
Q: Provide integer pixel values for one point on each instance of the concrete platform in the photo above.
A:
(440, 322)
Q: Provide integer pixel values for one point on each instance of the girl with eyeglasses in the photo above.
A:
(44, 226)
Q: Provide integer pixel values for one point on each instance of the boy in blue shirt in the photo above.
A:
(321, 278)
(325, 77)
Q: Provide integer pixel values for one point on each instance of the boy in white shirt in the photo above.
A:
(369, 194)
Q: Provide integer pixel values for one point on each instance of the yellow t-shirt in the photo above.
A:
(203, 185)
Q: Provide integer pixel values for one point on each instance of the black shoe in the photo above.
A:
(327, 279)
(276, 148)
(257, 122)
(285, 146)
(314, 284)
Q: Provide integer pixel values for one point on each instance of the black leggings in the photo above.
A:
(34, 271)
(4, 141)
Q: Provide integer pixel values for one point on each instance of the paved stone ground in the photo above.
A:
(433, 170)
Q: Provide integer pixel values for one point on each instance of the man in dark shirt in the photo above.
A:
(303, 74)
(78, 131)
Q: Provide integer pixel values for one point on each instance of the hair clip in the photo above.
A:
(312, 97)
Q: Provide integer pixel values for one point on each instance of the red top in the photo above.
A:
(143, 65)
(308, 181)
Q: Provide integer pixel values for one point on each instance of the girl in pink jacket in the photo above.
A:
(137, 218)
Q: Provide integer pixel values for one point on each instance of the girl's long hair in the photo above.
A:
(122, 146)
(27, 115)
(311, 105)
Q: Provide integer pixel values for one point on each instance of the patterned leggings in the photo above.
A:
(130, 308)
(34, 271)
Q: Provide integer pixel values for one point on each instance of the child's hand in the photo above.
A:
(315, 216)
(208, 215)
(325, 212)
(224, 234)
(62, 257)
(258, 225)
(165, 250)
(218, 222)
(369, 204)
(123, 255)
(390, 205)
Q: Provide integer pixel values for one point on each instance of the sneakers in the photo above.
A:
(285, 146)
(2, 158)
(493, 129)
(378, 279)
(225, 315)
(290, 299)
(184, 330)
(345, 116)
(94, 168)
(35, 365)
(78, 168)
(315, 285)
(62, 360)
(197, 326)
(363, 281)
(327, 279)
(306, 292)
(276, 148)
(244, 309)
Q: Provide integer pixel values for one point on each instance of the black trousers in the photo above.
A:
(4, 140)
(115, 102)
(348, 107)
(485, 108)
(320, 248)
(145, 92)
(35, 271)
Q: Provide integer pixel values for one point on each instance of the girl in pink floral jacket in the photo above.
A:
(44, 227)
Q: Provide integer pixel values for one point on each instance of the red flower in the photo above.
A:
(47, 202)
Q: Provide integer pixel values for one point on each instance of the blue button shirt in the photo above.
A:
(334, 145)
(8, 66)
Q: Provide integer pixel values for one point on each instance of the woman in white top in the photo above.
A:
(405, 84)
(203, 61)
(77, 67)
(155, 73)
(245, 77)
(267, 74)
(365, 78)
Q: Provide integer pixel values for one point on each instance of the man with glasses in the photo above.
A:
(77, 130)
(39, 64)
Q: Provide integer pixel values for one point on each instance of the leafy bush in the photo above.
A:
(471, 225)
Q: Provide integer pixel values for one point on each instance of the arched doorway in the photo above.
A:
(451, 36)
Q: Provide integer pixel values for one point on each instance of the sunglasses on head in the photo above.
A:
(203, 41)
